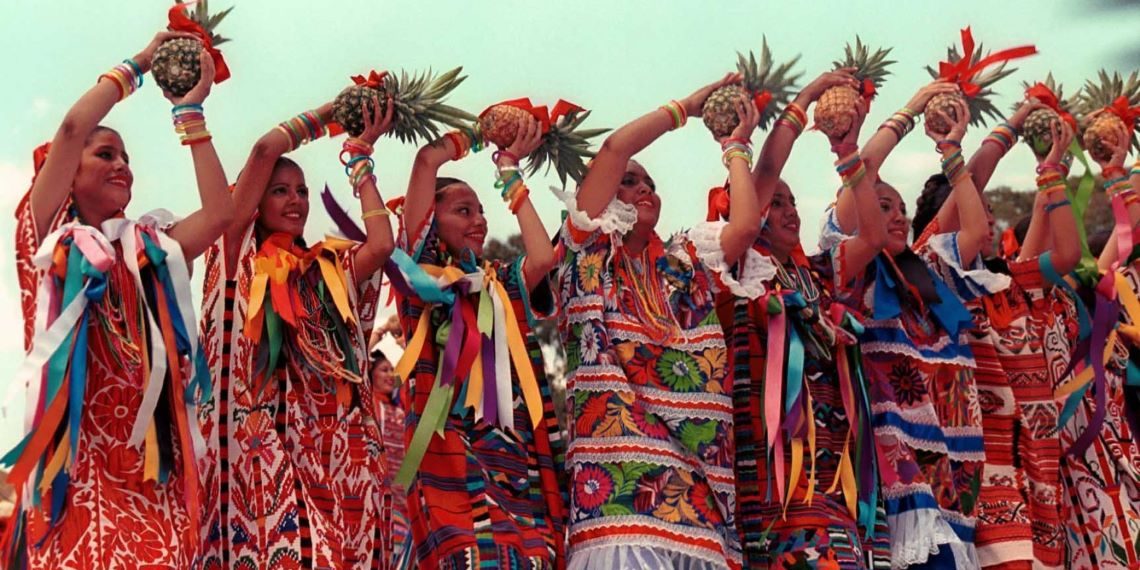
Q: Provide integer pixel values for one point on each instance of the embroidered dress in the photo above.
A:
(390, 418)
(813, 520)
(129, 493)
(923, 398)
(651, 446)
(1019, 505)
(489, 490)
(300, 473)
(1102, 482)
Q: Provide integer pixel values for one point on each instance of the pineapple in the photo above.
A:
(1037, 128)
(418, 100)
(175, 66)
(832, 111)
(978, 97)
(719, 111)
(1100, 132)
(565, 146)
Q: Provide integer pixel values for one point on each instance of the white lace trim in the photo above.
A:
(916, 535)
(636, 551)
(980, 281)
(754, 269)
(830, 234)
(160, 219)
(618, 217)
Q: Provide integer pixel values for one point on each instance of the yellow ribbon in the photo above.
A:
(527, 380)
(57, 462)
(415, 347)
(1085, 376)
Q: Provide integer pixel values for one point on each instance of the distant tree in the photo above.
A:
(1010, 206)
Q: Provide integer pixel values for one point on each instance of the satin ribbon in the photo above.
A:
(373, 80)
(180, 22)
(1121, 108)
(1047, 97)
(963, 71)
(718, 203)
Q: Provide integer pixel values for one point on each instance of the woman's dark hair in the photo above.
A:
(934, 194)
(98, 129)
(1022, 228)
(281, 162)
(444, 181)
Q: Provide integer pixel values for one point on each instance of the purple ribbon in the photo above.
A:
(1107, 311)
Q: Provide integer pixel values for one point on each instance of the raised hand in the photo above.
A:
(528, 139)
(1029, 105)
(1062, 134)
(958, 123)
(1119, 146)
(849, 142)
(749, 117)
(376, 125)
(918, 102)
(201, 90)
(825, 81)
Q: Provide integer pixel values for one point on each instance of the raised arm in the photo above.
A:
(1053, 226)
(53, 183)
(378, 245)
(1117, 184)
(602, 181)
(744, 204)
(970, 207)
(420, 199)
(258, 169)
(202, 228)
(536, 242)
(870, 236)
(885, 139)
(778, 146)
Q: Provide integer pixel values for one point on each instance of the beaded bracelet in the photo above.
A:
(851, 169)
(514, 190)
(793, 118)
(465, 140)
(1136, 168)
(1003, 135)
(953, 166)
(901, 123)
(676, 112)
(190, 123)
(127, 76)
(1112, 172)
(303, 128)
(1117, 185)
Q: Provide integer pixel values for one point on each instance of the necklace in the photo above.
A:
(650, 303)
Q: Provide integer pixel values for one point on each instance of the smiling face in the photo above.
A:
(103, 181)
(782, 227)
(894, 214)
(459, 219)
(284, 207)
(383, 378)
(638, 188)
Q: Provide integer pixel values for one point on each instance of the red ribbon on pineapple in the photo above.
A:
(962, 72)
(761, 99)
(544, 116)
(1128, 114)
(180, 22)
(718, 203)
(1047, 97)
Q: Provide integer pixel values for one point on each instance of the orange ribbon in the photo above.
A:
(962, 72)
(718, 203)
(868, 89)
(180, 22)
(1009, 245)
(374, 80)
(761, 99)
(1047, 97)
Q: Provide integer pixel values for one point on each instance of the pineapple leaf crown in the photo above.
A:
(981, 104)
(209, 22)
(419, 103)
(1058, 89)
(1105, 91)
(761, 76)
(566, 147)
(868, 65)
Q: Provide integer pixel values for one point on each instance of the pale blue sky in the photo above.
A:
(619, 59)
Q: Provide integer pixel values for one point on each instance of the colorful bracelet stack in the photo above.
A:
(676, 112)
(127, 76)
(1051, 183)
(1116, 183)
(953, 165)
(190, 123)
(851, 169)
(901, 123)
(1003, 135)
(359, 165)
(510, 182)
(793, 118)
(735, 148)
(465, 140)
(303, 128)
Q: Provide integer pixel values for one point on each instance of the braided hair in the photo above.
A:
(934, 194)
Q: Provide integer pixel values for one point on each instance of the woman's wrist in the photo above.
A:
(190, 124)
(303, 128)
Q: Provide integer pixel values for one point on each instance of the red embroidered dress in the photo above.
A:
(300, 473)
(485, 495)
(113, 515)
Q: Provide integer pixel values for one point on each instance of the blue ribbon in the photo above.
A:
(423, 284)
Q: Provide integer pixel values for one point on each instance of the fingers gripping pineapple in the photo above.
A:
(1037, 129)
(833, 110)
(565, 145)
(176, 67)
(968, 70)
(418, 100)
(760, 82)
(1108, 105)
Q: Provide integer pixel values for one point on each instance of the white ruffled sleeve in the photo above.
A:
(750, 274)
(830, 234)
(580, 228)
(968, 281)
